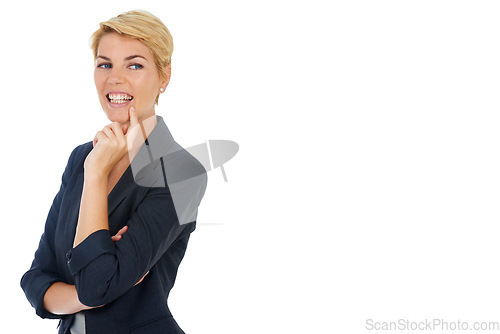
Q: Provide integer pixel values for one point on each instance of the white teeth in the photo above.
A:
(119, 98)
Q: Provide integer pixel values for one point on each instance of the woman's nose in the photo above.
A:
(116, 76)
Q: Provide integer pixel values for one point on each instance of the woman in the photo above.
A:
(119, 226)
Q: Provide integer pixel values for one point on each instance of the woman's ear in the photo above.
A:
(167, 71)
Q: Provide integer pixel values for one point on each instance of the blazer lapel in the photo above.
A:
(157, 145)
(122, 189)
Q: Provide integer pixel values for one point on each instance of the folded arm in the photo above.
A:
(61, 298)
(104, 270)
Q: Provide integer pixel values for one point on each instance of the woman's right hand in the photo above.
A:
(141, 278)
(118, 234)
(111, 144)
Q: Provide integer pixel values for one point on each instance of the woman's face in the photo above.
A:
(126, 76)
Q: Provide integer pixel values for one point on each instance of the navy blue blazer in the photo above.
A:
(157, 197)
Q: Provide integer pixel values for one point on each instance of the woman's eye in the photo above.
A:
(136, 66)
(104, 65)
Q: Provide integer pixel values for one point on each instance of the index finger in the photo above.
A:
(133, 117)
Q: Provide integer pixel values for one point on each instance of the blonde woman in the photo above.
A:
(119, 226)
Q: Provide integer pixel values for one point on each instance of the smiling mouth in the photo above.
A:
(119, 98)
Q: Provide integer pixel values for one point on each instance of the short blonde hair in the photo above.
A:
(144, 26)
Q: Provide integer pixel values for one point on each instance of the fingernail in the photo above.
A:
(132, 109)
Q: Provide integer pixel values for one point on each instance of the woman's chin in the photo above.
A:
(118, 116)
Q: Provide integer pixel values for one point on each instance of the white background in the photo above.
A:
(367, 182)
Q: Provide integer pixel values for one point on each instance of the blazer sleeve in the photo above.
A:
(104, 270)
(43, 272)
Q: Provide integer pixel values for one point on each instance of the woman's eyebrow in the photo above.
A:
(126, 58)
(134, 56)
